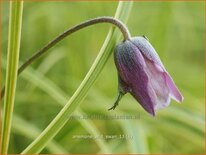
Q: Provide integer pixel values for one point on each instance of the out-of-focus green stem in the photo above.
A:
(59, 121)
(15, 21)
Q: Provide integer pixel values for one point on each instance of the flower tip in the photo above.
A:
(177, 96)
(180, 99)
(174, 91)
(153, 113)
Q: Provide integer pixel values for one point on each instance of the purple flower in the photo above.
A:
(142, 74)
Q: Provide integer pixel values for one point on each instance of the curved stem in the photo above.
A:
(87, 23)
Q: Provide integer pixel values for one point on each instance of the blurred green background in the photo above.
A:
(176, 30)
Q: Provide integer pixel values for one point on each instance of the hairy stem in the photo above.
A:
(90, 22)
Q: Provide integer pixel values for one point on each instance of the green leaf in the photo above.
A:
(15, 21)
(59, 121)
(28, 130)
(55, 92)
(137, 137)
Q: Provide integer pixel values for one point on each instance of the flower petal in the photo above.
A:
(158, 83)
(142, 74)
(131, 66)
(149, 53)
(147, 50)
(174, 92)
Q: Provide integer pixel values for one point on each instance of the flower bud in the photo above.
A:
(142, 74)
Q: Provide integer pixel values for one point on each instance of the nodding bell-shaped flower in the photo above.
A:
(142, 74)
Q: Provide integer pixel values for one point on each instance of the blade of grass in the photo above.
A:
(52, 59)
(28, 130)
(171, 127)
(90, 127)
(59, 95)
(137, 142)
(59, 121)
(55, 92)
(15, 21)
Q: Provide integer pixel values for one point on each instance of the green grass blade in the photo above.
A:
(39, 80)
(28, 130)
(16, 10)
(59, 121)
(89, 126)
(55, 92)
(138, 142)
